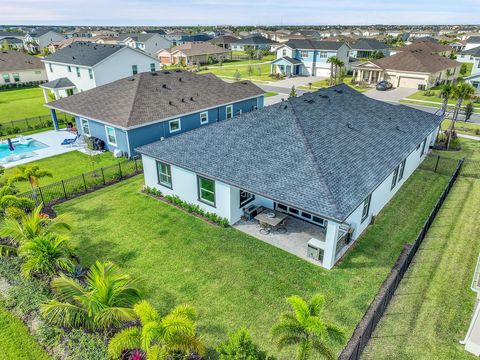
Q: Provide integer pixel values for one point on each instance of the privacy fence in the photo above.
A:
(367, 325)
(14, 127)
(87, 182)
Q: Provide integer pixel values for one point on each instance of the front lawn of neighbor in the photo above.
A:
(433, 95)
(469, 149)
(463, 127)
(16, 342)
(231, 278)
(22, 103)
(433, 305)
(258, 72)
(326, 83)
(64, 166)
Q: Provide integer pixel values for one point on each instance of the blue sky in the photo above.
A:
(250, 12)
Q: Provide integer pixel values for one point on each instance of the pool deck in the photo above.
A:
(52, 139)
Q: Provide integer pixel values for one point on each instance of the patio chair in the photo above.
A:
(265, 229)
(70, 141)
(282, 227)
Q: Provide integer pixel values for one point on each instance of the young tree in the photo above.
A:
(461, 91)
(293, 92)
(463, 69)
(468, 111)
(335, 65)
(159, 337)
(31, 174)
(6, 45)
(445, 92)
(250, 70)
(237, 75)
(305, 329)
(106, 300)
(241, 346)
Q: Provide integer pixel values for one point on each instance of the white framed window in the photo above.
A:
(85, 126)
(6, 78)
(69, 68)
(164, 172)
(284, 52)
(423, 146)
(152, 67)
(395, 177)
(78, 71)
(323, 55)
(402, 169)
(111, 135)
(50, 67)
(206, 190)
(303, 53)
(245, 198)
(16, 77)
(229, 111)
(134, 69)
(175, 125)
(203, 117)
(90, 73)
(366, 207)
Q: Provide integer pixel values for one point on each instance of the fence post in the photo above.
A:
(84, 182)
(436, 164)
(64, 191)
(103, 176)
(41, 195)
(120, 170)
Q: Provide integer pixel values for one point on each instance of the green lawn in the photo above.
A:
(462, 127)
(271, 93)
(431, 309)
(16, 342)
(229, 72)
(65, 166)
(231, 278)
(22, 103)
(434, 96)
(326, 83)
(469, 149)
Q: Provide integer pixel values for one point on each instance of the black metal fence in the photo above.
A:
(14, 127)
(363, 332)
(84, 183)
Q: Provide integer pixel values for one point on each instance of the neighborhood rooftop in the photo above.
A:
(322, 152)
(15, 60)
(308, 44)
(83, 53)
(427, 46)
(195, 49)
(368, 44)
(152, 96)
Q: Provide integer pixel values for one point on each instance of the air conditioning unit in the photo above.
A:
(117, 153)
(315, 249)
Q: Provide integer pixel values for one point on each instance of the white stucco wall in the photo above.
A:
(25, 76)
(82, 83)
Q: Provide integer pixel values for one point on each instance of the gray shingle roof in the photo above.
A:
(288, 59)
(313, 44)
(473, 51)
(368, 44)
(60, 83)
(83, 53)
(323, 152)
(148, 97)
(474, 40)
(255, 40)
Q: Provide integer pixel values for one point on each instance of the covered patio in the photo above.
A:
(286, 66)
(367, 73)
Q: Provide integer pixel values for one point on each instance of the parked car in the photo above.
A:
(384, 86)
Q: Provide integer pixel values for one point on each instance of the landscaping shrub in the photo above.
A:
(18, 202)
(241, 346)
(85, 346)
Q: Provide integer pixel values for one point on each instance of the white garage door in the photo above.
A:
(322, 72)
(408, 82)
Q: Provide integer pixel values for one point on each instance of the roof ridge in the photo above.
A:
(318, 169)
(132, 105)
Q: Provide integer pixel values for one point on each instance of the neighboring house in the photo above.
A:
(415, 69)
(19, 68)
(9, 35)
(13, 39)
(56, 45)
(457, 46)
(472, 42)
(224, 41)
(177, 37)
(39, 39)
(83, 65)
(104, 32)
(366, 48)
(192, 53)
(289, 157)
(308, 57)
(111, 40)
(468, 56)
(426, 46)
(147, 107)
(150, 43)
(79, 33)
(474, 77)
(256, 42)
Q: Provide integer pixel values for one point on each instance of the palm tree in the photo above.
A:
(32, 225)
(30, 174)
(305, 329)
(159, 337)
(45, 255)
(445, 92)
(335, 65)
(104, 301)
(461, 91)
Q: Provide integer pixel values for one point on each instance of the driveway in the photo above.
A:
(392, 95)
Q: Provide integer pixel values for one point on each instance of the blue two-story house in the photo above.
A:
(309, 57)
(150, 106)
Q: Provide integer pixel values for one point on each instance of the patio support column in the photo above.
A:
(354, 75)
(54, 119)
(45, 95)
(370, 77)
(271, 69)
(330, 245)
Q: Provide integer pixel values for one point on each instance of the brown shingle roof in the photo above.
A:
(16, 60)
(201, 48)
(427, 46)
(417, 61)
(149, 97)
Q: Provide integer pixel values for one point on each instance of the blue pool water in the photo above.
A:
(27, 146)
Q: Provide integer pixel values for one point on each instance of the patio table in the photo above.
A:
(273, 222)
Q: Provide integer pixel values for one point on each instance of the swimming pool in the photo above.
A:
(22, 148)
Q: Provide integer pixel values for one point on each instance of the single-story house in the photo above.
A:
(192, 53)
(332, 158)
(19, 68)
(146, 107)
(308, 57)
(224, 41)
(415, 69)
(367, 48)
(256, 42)
(426, 46)
(468, 56)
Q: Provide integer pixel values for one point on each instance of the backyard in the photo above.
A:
(432, 307)
(65, 166)
(251, 71)
(231, 278)
(21, 103)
